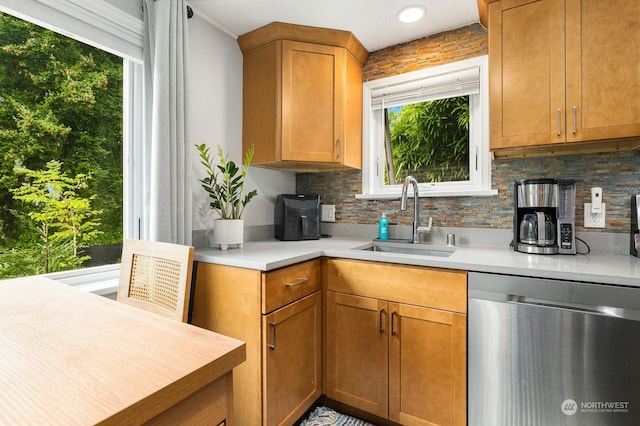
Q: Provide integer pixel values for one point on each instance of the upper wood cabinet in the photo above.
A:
(563, 71)
(302, 97)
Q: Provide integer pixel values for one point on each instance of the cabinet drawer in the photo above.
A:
(416, 285)
(288, 284)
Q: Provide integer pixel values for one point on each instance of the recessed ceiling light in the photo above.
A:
(411, 14)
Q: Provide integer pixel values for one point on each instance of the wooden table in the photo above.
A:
(68, 357)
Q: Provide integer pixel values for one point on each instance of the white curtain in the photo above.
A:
(168, 149)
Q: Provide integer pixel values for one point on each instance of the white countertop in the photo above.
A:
(597, 268)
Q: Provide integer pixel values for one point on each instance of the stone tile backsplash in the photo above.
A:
(618, 173)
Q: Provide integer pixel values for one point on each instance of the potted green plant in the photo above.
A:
(224, 182)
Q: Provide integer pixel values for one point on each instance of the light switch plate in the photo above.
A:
(328, 213)
(593, 220)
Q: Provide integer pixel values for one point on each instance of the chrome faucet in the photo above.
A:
(416, 209)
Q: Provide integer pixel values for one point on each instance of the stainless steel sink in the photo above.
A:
(406, 247)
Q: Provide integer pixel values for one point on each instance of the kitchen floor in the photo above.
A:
(327, 416)
(352, 416)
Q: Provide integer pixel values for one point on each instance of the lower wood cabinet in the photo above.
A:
(357, 352)
(278, 315)
(292, 360)
(394, 338)
(395, 341)
(427, 366)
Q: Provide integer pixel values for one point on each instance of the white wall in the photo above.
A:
(215, 114)
(214, 100)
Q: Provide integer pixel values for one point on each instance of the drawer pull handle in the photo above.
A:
(380, 314)
(559, 116)
(295, 283)
(273, 327)
(575, 118)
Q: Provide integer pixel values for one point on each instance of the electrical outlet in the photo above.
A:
(594, 220)
(328, 213)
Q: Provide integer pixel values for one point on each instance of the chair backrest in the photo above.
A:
(156, 277)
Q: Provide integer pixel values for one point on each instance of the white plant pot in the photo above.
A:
(228, 232)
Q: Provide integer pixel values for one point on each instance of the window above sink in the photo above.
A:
(450, 162)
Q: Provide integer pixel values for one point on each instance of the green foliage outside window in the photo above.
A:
(430, 140)
(60, 101)
(64, 222)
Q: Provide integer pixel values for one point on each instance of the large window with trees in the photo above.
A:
(430, 124)
(65, 106)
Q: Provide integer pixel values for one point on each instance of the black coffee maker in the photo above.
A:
(544, 216)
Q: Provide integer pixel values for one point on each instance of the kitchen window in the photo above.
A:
(431, 124)
(109, 29)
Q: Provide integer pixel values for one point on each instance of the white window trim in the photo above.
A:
(106, 27)
(94, 22)
(100, 280)
(135, 214)
(480, 182)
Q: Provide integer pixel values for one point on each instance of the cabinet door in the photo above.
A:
(527, 76)
(603, 71)
(312, 107)
(292, 360)
(427, 366)
(357, 352)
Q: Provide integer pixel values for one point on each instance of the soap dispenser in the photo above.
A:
(383, 227)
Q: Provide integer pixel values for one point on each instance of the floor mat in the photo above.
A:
(323, 416)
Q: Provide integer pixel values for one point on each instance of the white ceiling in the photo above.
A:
(373, 22)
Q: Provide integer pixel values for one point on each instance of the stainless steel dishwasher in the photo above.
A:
(549, 352)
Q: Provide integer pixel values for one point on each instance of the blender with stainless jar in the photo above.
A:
(544, 216)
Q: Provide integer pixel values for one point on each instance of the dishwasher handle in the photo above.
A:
(602, 299)
(573, 307)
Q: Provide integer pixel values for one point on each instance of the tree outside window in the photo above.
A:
(61, 108)
(428, 140)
